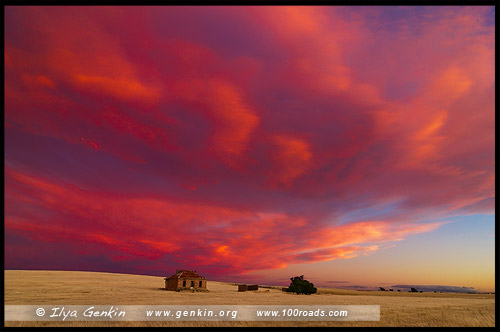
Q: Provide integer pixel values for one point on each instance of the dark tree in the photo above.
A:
(301, 286)
(381, 289)
(413, 290)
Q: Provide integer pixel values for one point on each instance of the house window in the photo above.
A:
(184, 283)
(201, 283)
(192, 283)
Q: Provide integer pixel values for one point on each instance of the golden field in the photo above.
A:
(83, 288)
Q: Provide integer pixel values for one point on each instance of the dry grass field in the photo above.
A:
(84, 288)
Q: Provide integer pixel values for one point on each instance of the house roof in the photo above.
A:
(186, 274)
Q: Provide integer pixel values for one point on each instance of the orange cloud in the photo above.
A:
(91, 143)
(123, 88)
(205, 234)
(368, 231)
(292, 158)
(315, 37)
(81, 53)
(321, 255)
(38, 80)
(235, 120)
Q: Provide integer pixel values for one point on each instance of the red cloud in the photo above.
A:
(119, 227)
(217, 144)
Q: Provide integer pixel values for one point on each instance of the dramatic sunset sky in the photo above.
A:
(353, 145)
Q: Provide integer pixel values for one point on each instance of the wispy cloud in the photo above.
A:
(143, 139)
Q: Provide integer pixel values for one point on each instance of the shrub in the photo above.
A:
(301, 286)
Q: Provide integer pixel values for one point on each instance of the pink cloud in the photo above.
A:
(168, 135)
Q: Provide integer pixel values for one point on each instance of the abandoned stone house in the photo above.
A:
(185, 279)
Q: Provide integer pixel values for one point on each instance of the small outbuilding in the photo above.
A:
(186, 280)
(244, 288)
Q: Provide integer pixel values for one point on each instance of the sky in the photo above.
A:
(352, 145)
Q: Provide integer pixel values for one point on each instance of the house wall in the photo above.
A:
(178, 283)
(188, 283)
(171, 284)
